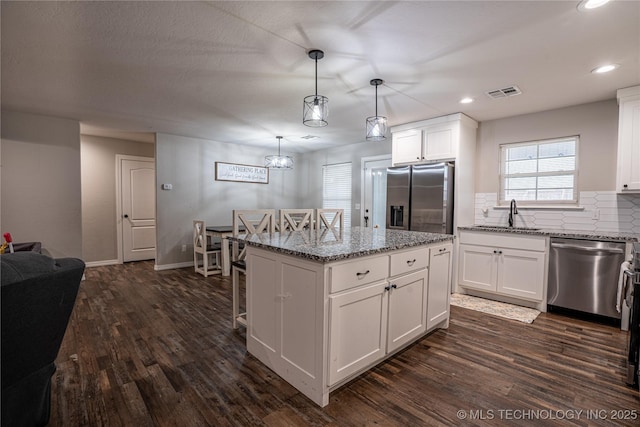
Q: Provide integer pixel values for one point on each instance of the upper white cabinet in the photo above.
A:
(628, 172)
(451, 137)
(431, 140)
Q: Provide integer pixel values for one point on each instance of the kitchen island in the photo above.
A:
(323, 307)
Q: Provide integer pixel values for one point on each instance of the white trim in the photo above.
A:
(364, 160)
(162, 267)
(119, 159)
(544, 207)
(101, 263)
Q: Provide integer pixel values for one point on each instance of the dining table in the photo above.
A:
(223, 232)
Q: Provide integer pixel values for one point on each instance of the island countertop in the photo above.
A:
(327, 246)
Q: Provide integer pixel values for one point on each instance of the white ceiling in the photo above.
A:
(237, 71)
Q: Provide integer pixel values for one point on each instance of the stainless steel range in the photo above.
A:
(633, 364)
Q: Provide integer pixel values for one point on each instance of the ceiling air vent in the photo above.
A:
(504, 92)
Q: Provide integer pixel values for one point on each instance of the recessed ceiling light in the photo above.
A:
(605, 68)
(466, 100)
(591, 4)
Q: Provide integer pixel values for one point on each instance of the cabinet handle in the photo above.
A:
(442, 249)
(499, 252)
(387, 288)
(394, 286)
(417, 158)
(410, 263)
(625, 186)
(361, 275)
(495, 252)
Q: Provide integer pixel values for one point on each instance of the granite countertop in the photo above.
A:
(586, 235)
(328, 246)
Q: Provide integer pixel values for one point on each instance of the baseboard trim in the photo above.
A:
(172, 266)
(101, 263)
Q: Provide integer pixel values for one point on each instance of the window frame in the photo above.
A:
(334, 202)
(502, 201)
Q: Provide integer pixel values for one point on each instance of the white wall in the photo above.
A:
(41, 195)
(98, 160)
(597, 125)
(313, 162)
(189, 165)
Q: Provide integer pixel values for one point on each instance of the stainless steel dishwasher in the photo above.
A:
(583, 275)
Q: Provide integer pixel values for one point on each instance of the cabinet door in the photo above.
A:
(407, 309)
(628, 177)
(439, 284)
(441, 141)
(477, 267)
(357, 329)
(521, 273)
(406, 146)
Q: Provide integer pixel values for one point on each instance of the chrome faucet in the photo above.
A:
(513, 210)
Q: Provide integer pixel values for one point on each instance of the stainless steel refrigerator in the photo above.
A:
(420, 198)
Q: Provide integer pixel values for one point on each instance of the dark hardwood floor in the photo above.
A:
(150, 348)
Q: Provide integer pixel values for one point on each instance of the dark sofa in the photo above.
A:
(38, 295)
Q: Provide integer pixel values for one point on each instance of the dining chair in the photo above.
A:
(255, 221)
(332, 219)
(295, 219)
(203, 248)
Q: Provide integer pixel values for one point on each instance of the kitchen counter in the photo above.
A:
(587, 235)
(322, 308)
(354, 242)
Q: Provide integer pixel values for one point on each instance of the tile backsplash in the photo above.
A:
(604, 211)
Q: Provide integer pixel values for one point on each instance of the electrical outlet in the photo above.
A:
(184, 248)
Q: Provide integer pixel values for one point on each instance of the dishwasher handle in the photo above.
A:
(587, 249)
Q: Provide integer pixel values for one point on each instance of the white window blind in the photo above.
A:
(336, 189)
(539, 172)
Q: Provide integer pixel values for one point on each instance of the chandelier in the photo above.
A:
(376, 125)
(315, 109)
(278, 161)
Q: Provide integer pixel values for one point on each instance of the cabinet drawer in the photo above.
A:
(413, 260)
(504, 240)
(358, 272)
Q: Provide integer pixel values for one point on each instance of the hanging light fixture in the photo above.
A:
(278, 162)
(315, 109)
(376, 125)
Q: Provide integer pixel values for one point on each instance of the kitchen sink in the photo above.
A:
(506, 227)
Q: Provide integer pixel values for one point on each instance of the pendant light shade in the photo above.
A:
(315, 109)
(376, 125)
(278, 161)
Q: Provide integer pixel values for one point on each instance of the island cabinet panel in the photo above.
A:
(438, 296)
(407, 309)
(285, 310)
(357, 331)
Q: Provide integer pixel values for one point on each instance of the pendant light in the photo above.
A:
(315, 109)
(376, 125)
(278, 162)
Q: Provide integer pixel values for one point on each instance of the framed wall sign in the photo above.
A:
(241, 173)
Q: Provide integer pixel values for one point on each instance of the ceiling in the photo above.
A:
(237, 71)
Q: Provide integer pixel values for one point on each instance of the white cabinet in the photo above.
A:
(439, 284)
(406, 146)
(628, 171)
(369, 321)
(319, 324)
(430, 140)
(503, 264)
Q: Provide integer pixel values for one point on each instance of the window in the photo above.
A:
(336, 189)
(539, 172)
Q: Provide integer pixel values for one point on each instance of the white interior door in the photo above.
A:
(374, 192)
(138, 209)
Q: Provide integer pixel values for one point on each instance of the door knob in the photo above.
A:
(126, 215)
